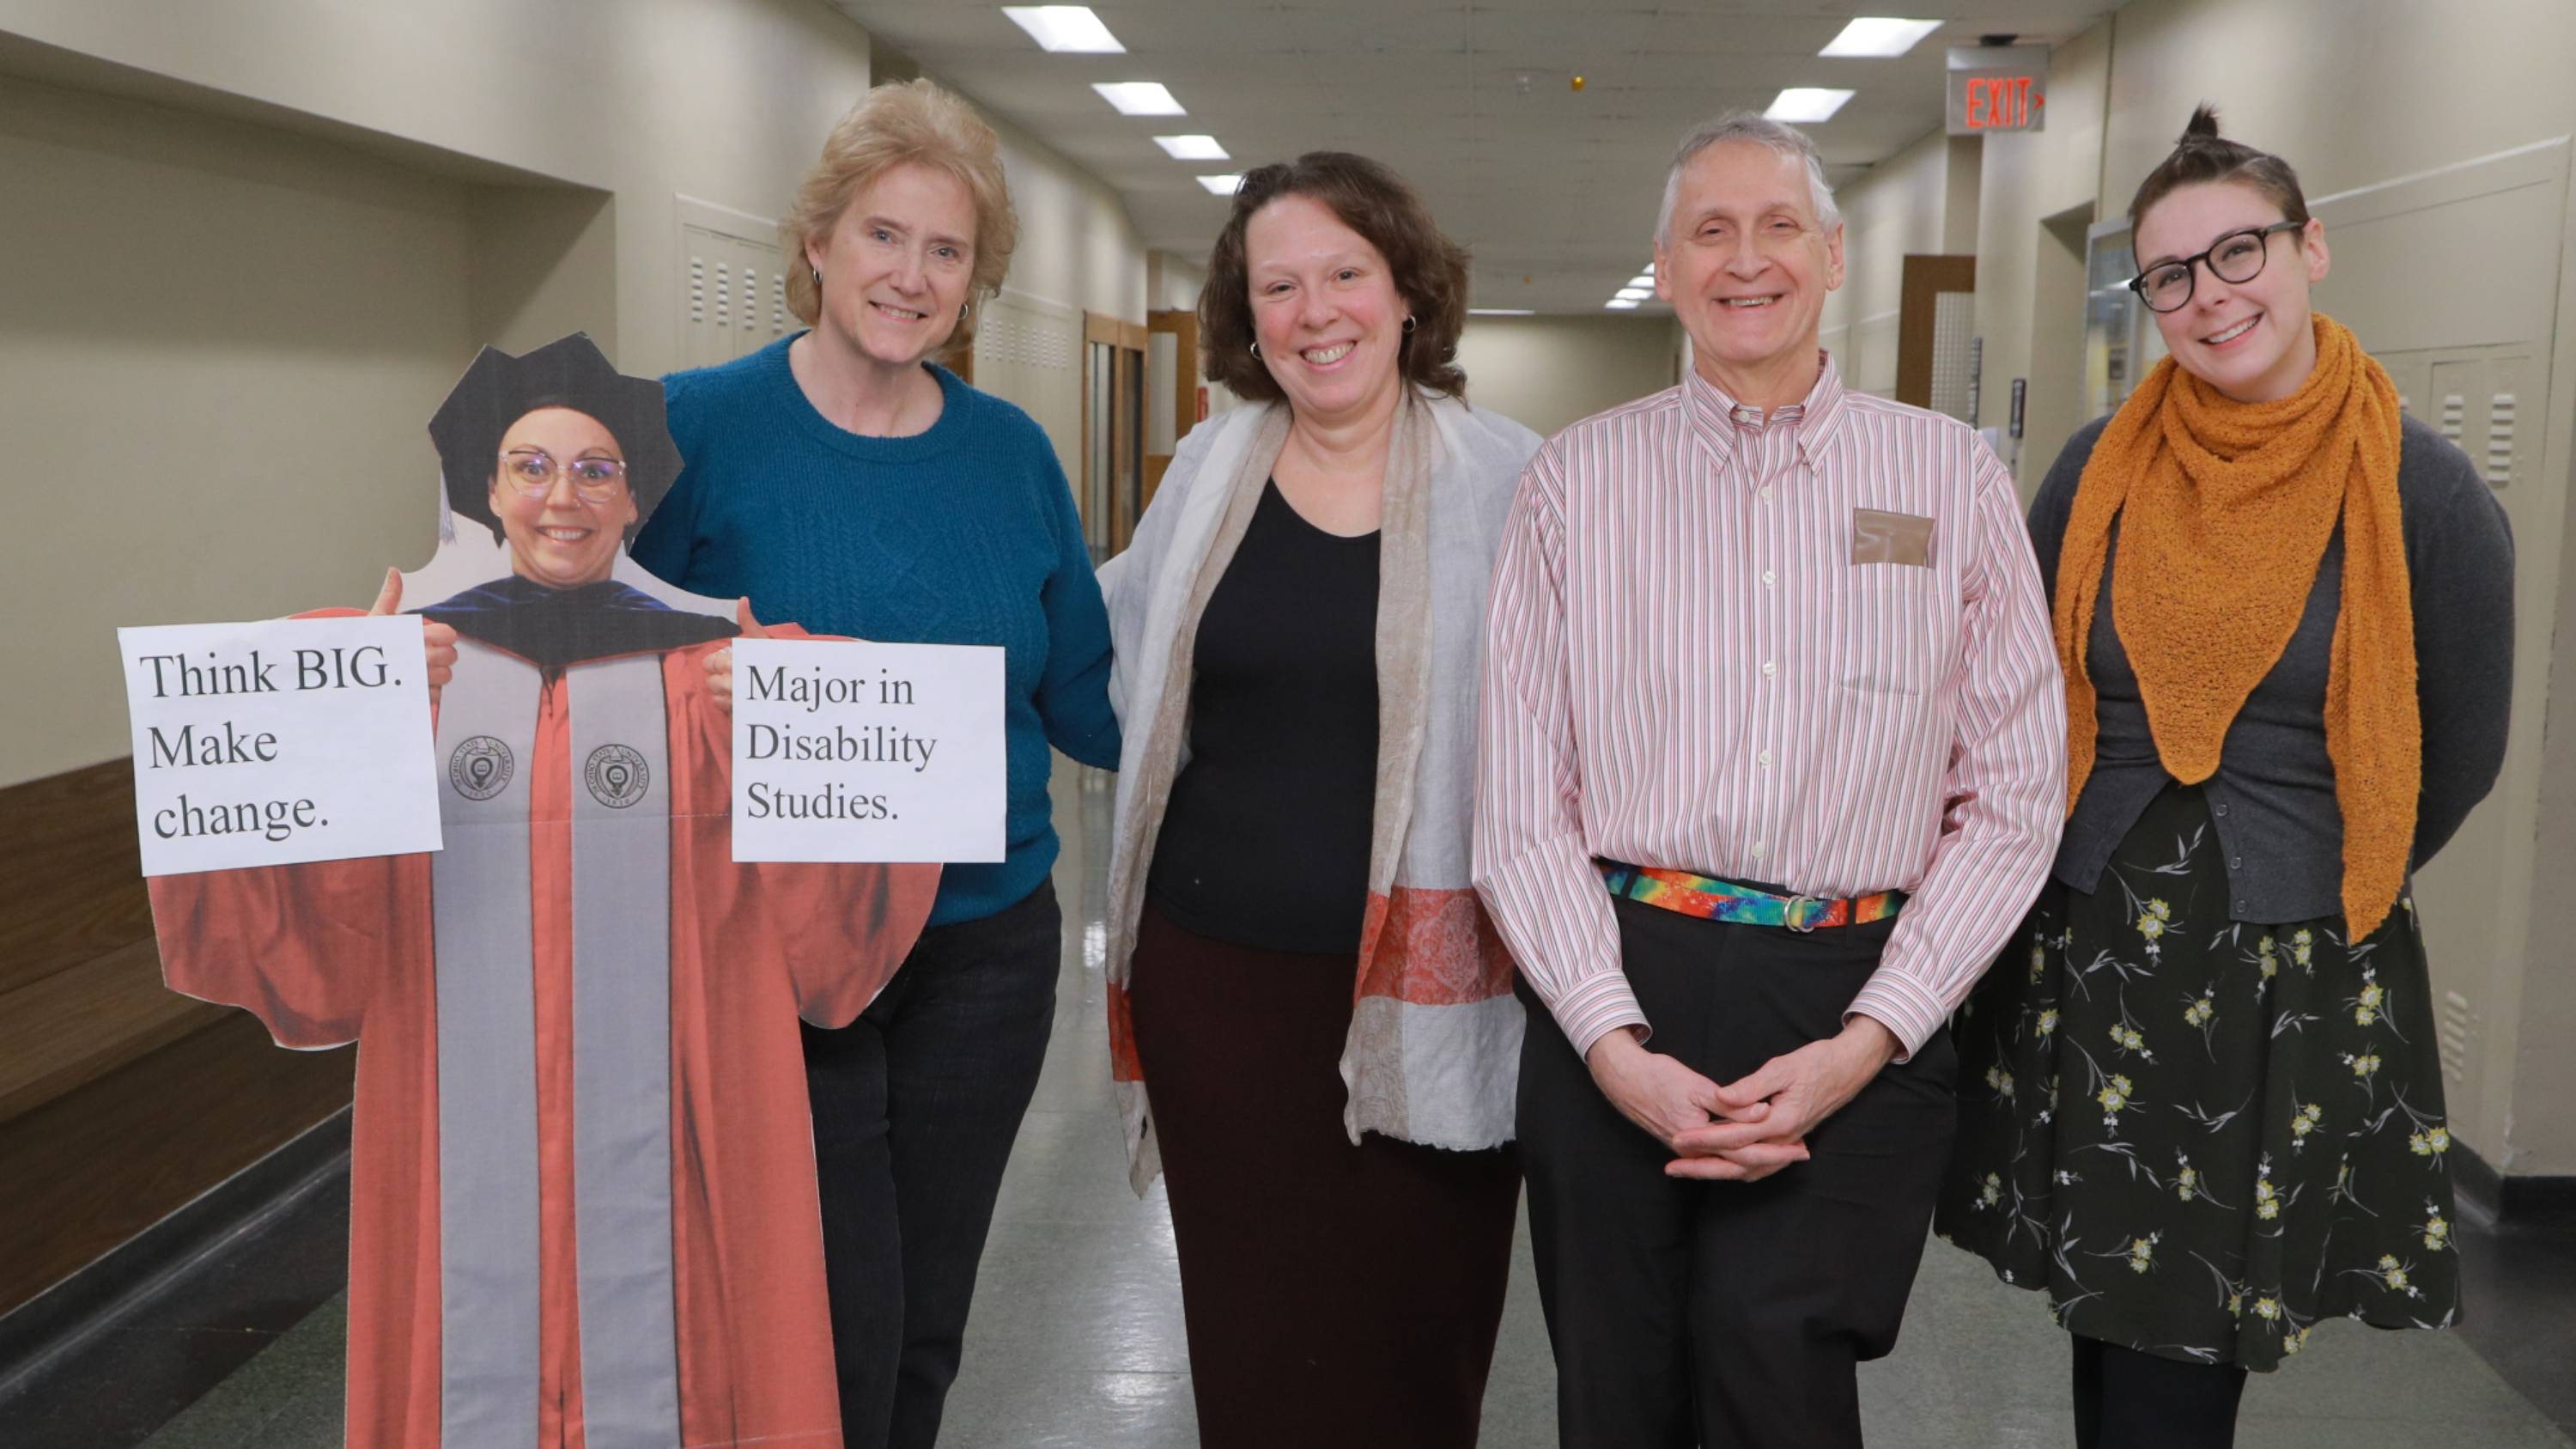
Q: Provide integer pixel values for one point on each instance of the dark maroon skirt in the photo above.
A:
(1335, 1294)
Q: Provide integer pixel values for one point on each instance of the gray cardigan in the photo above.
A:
(2272, 800)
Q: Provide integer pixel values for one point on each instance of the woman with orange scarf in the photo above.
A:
(2201, 1102)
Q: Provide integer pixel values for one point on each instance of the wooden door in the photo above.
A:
(1112, 489)
(1173, 384)
(1936, 327)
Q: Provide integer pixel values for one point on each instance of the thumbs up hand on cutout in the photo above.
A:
(720, 663)
(438, 641)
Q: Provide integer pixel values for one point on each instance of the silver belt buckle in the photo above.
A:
(1789, 915)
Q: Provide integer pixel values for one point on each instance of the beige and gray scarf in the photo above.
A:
(1434, 1046)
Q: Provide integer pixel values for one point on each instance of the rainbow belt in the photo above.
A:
(1721, 900)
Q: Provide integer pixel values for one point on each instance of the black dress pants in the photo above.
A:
(916, 1105)
(1727, 1315)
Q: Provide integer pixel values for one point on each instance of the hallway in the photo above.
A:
(1077, 1341)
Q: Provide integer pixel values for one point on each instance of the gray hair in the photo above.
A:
(1761, 130)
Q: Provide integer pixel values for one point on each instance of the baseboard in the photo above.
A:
(110, 1289)
(2522, 1200)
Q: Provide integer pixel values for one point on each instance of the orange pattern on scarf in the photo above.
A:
(2225, 509)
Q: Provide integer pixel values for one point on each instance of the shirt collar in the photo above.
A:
(1719, 419)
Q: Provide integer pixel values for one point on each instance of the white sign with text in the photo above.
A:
(280, 742)
(856, 751)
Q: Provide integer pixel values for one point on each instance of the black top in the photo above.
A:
(1266, 839)
(2272, 801)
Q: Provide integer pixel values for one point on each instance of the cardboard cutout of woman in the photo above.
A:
(583, 1205)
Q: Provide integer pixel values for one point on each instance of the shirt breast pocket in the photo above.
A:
(1888, 632)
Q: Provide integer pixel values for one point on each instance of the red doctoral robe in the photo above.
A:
(704, 1279)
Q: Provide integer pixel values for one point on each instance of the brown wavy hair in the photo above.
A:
(2202, 155)
(1429, 270)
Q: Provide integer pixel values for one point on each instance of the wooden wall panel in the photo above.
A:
(75, 874)
(91, 1168)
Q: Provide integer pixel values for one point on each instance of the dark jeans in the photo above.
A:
(916, 1105)
(2125, 1399)
(1727, 1315)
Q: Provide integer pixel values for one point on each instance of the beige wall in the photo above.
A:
(1546, 372)
(2036, 198)
(2360, 96)
(265, 319)
(286, 220)
(1921, 200)
(1172, 281)
(213, 402)
(1076, 244)
(723, 100)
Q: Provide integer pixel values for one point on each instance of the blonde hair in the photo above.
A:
(909, 123)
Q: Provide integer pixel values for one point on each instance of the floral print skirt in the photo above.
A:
(2201, 1138)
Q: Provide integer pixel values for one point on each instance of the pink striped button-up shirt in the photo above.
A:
(1685, 669)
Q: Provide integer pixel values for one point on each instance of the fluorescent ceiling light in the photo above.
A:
(1649, 271)
(1806, 105)
(1065, 27)
(1879, 35)
(1643, 279)
(1139, 98)
(1620, 304)
(1635, 294)
(1221, 185)
(1192, 148)
(1502, 312)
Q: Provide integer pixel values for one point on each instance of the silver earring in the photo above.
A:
(1408, 326)
(1256, 349)
(818, 276)
(962, 309)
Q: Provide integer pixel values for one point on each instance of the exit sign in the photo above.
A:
(1997, 88)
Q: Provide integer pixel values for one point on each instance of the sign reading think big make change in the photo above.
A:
(281, 742)
(855, 751)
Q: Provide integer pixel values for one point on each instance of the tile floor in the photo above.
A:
(1077, 1340)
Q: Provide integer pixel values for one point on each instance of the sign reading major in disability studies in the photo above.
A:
(854, 751)
(279, 743)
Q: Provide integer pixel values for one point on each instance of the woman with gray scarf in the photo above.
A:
(1312, 1023)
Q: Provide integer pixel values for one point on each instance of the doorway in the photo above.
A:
(1112, 493)
(1176, 400)
(1936, 327)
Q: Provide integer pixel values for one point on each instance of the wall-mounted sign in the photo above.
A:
(1997, 88)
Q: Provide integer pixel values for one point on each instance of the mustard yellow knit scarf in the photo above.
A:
(2225, 509)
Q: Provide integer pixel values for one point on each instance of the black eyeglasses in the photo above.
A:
(2235, 257)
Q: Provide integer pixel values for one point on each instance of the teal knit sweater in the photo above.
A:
(965, 534)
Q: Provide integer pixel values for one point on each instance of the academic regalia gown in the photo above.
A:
(583, 1206)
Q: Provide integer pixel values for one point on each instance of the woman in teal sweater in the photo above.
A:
(841, 479)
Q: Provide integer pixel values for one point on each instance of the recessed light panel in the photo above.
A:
(1806, 105)
(1879, 35)
(1139, 98)
(1501, 312)
(1635, 294)
(1192, 148)
(1620, 304)
(1221, 185)
(1065, 27)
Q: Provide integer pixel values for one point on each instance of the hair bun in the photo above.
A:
(2203, 126)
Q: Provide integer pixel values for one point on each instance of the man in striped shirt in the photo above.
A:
(1773, 762)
